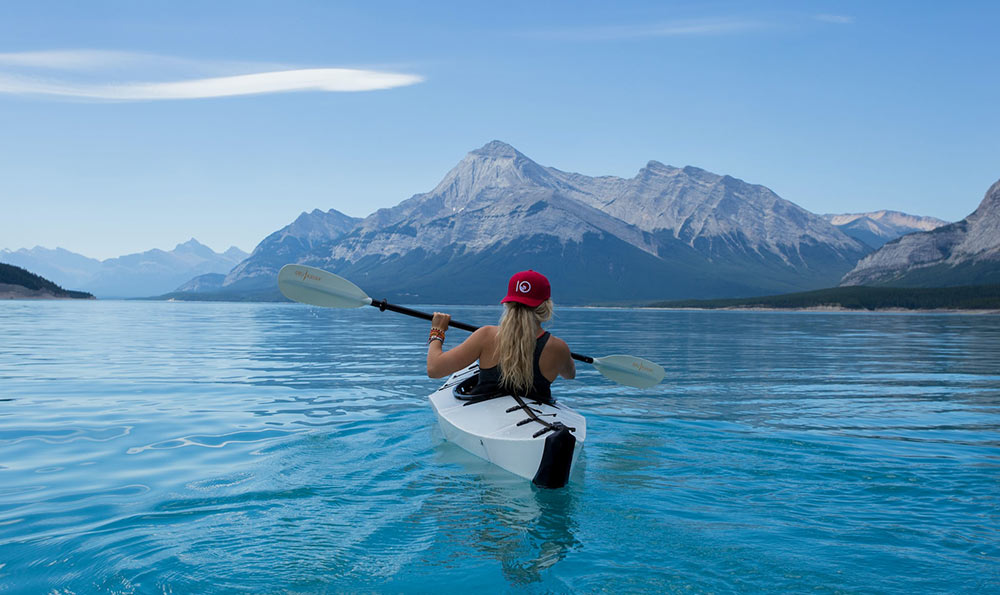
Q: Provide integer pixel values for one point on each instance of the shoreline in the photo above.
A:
(19, 292)
(833, 309)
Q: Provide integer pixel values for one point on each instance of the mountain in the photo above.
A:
(877, 228)
(18, 283)
(153, 272)
(962, 253)
(203, 283)
(66, 268)
(667, 232)
(257, 274)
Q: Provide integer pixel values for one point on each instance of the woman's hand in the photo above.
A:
(440, 363)
(440, 321)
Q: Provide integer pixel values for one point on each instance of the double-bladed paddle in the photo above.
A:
(317, 287)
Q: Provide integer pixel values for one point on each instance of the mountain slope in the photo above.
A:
(962, 253)
(18, 283)
(259, 271)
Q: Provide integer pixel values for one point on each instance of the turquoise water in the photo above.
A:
(251, 448)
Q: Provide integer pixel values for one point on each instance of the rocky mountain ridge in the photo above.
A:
(963, 253)
(666, 232)
(258, 271)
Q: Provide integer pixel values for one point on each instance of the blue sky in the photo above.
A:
(135, 125)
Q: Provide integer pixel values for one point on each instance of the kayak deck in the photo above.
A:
(537, 441)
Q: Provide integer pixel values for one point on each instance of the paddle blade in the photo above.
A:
(317, 287)
(630, 370)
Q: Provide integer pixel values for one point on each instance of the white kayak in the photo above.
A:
(537, 441)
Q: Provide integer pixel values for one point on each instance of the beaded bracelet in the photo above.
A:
(436, 335)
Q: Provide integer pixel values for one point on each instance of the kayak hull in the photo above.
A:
(542, 447)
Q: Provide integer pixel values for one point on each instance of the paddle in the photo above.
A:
(317, 287)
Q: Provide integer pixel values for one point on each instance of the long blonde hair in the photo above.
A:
(516, 345)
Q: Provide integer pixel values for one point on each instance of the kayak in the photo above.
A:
(537, 441)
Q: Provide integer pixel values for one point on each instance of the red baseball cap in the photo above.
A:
(528, 288)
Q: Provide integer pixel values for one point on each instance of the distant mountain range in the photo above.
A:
(962, 253)
(149, 273)
(666, 233)
(877, 228)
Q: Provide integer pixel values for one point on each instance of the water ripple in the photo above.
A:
(213, 441)
(784, 453)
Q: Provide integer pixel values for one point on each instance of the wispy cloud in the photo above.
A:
(124, 76)
(837, 19)
(717, 26)
(678, 28)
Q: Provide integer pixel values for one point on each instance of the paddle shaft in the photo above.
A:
(384, 305)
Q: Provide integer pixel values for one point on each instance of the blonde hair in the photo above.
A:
(516, 345)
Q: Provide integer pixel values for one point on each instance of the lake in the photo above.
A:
(154, 447)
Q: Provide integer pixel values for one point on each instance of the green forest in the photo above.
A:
(13, 275)
(971, 297)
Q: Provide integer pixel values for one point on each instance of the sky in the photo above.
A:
(128, 126)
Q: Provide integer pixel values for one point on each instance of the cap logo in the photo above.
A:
(523, 287)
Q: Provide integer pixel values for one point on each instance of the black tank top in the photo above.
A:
(489, 378)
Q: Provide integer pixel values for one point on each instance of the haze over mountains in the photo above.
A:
(963, 253)
(149, 273)
(877, 228)
(666, 232)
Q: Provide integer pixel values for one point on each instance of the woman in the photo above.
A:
(516, 357)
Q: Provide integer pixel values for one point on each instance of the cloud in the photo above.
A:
(719, 26)
(70, 59)
(679, 28)
(837, 19)
(123, 76)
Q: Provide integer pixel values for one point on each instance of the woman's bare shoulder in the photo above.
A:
(558, 344)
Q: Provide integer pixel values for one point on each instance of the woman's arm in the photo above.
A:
(441, 363)
(568, 367)
(557, 360)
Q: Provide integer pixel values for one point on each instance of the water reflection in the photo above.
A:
(277, 448)
(525, 528)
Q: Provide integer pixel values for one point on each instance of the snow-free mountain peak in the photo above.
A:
(494, 165)
(496, 148)
(235, 254)
(194, 247)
